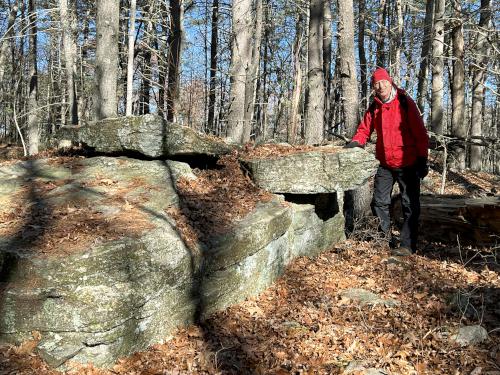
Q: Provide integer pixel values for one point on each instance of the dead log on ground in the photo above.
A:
(476, 221)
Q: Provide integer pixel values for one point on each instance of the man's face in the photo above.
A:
(383, 89)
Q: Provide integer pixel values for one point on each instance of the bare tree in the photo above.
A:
(382, 34)
(106, 58)
(295, 120)
(458, 124)
(214, 36)
(4, 42)
(424, 56)
(437, 67)
(33, 118)
(130, 58)
(362, 54)
(240, 61)
(327, 58)
(68, 27)
(397, 42)
(347, 72)
(252, 73)
(315, 106)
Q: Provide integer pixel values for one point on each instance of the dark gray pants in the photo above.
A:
(409, 186)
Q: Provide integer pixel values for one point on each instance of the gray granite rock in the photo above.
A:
(120, 295)
(469, 335)
(322, 171)
(148, 135)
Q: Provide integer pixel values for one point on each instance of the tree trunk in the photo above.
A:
(33, 120)
(424, 56)
(240, 61)
(315, 97)
(357, 202)
(294, 123)
(145, 92)
(381, 35)
(348, 79)
(397, 43)
(362, 54)
(327, 58)
(252, 74)
(68, 25)
(5, 40)
(458, 125)
(130, 60)
(174, 58)
(437, 68)
(106, 58)
(478, 79)
(214, 38)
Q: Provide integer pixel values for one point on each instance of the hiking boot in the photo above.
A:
(401, 251)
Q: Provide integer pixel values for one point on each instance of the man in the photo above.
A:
(402, 149)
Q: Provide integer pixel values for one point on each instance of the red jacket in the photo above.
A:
(401, 134)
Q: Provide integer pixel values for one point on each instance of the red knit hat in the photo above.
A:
(380, 74)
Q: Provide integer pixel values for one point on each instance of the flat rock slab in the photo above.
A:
(365, 297)
(90, 259)
(148, 135)
(328, 170)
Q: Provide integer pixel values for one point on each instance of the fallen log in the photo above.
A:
(475, 221)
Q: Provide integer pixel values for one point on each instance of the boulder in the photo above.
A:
(327, 170)
(149, 135)
(98, 294)
(470, 335)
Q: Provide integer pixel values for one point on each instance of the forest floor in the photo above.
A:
(306, 323)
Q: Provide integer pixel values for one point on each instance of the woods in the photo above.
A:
(250, 70)
(185, 186)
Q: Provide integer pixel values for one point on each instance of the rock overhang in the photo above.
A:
(326, 170)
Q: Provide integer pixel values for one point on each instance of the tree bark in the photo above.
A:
(348, 79)
(424, 56)
(357, 202)
(5, 40)
(362, 54)
(68, 23)
(130, 59)
(253, 73)
(458, 125)
(381, 35)
(33, 120)
(437, 68)
(146, 79)
(397, 42)
(240, 60)
(327, 58)
(214, 38)
(106, 58)
(315, 109)
(174, 58)
(478, 79)
(294, 123)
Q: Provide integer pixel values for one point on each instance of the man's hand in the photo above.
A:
(352, 144)
(422, 167)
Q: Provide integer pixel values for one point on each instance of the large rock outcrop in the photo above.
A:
(327, 170)
(127, 282)
(148, 135)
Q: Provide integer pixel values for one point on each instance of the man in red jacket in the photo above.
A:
(402, 149)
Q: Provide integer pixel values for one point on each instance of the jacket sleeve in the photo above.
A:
(418, 130)
(365, 129)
